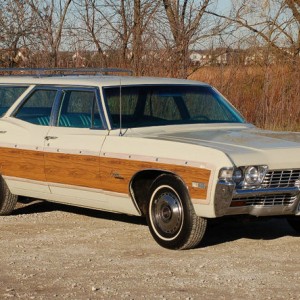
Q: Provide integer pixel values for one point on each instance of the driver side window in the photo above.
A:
(37, 108)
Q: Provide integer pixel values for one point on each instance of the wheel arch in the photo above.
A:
(141, 183)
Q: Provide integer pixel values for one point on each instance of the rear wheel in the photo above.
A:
(171, 217)
(8, 201)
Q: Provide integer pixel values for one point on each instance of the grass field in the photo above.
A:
(268, 96)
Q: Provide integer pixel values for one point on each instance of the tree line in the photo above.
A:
(152, 37)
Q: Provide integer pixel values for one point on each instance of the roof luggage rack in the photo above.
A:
(43, 72)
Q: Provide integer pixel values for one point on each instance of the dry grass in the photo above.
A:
(268, 96)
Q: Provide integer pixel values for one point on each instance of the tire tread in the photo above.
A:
(8, 201)
(197, 232)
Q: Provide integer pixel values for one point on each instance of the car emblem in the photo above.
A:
(199, 185)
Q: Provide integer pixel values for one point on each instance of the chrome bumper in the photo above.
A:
(257, 202)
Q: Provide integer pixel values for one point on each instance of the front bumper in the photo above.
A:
(257, 202)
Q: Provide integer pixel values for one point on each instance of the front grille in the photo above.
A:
(268, 200)
(281, 179)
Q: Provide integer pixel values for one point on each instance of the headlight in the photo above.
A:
(237, 175)
(254, 175)
(244, 177)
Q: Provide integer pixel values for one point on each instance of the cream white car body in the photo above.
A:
(114, 156)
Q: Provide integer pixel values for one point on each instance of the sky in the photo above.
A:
(223, 5)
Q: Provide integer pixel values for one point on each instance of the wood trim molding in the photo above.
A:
(105, 173)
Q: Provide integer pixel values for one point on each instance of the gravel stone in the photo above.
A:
(56, 251)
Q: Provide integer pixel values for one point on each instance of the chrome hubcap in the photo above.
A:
(167, 213)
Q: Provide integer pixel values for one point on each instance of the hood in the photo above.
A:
(244, 144)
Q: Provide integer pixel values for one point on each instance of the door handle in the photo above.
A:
(48, 137)
(3, 131)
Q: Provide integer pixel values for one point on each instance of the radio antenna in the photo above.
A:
(120, 102)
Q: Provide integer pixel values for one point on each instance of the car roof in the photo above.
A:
(95, 80)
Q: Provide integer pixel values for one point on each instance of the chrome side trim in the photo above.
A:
(134, 200)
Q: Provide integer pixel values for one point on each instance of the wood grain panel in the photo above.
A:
(81, 170)
(110, 174)
(27, 164)
(126, 169)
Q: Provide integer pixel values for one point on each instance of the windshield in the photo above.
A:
(8, 96)
(168, 105)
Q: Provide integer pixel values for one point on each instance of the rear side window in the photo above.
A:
(37, 108)
(8, 95)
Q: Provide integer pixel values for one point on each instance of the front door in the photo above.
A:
(72, 148)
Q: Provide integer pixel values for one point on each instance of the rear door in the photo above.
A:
(22, 143)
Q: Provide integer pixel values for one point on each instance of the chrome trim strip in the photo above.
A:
(157, 159)
(134, 200)
(260, 211)
(261, 192)
(101, 109)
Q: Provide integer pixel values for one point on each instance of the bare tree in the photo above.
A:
(126, 22)
(91, 13)
(50, 17)
(143, 14)
(16, 26)
(119, 19)
(185, 19)
(137, 37)
(294, 6)
(275, 23)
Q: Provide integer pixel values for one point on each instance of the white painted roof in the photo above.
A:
(98, 80)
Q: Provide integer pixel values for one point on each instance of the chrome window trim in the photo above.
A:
(56, 104)
(226, 101)
(43, 87)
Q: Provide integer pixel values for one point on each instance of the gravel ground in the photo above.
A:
(53, 251)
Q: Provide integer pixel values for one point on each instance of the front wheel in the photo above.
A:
(171, 217)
